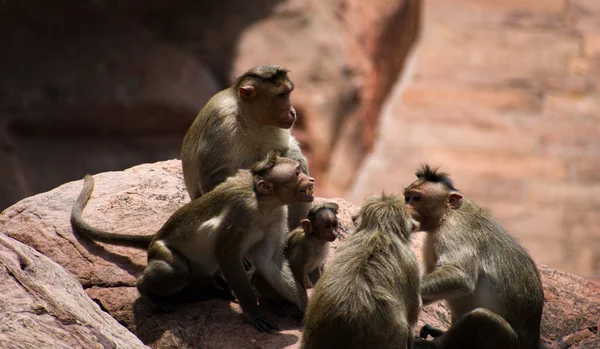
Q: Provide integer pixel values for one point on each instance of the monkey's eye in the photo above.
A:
(335, 224)
(412, 198)
(298, 170)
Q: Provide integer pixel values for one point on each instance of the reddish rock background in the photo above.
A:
(138, 201)
(503, 94)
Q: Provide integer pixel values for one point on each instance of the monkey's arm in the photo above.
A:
(447, 282)
(230, 263)
(269, 261)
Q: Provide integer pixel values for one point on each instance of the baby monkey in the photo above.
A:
(306, 249)
(369, 295)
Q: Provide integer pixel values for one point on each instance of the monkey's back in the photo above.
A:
(368, 296)
(507, 278)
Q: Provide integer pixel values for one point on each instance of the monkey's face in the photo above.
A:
(325, 225)
(290, 184)
(427, 204)
(279, 111)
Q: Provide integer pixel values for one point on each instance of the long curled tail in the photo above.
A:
(81, 226)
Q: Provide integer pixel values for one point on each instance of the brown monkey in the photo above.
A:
(246, 213)
(489, 281)
(368, 296)
(239, 126)
(306, 249)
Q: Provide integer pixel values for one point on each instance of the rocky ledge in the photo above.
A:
(43, 304)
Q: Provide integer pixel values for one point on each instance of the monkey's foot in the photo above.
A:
(424, 344)
(264, 325)
(427, 330)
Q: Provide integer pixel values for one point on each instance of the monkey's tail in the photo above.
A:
(81, 226)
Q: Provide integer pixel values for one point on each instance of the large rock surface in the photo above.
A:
(43, 306)
(140, 199)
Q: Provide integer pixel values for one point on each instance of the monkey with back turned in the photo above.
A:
(239, 126)
(306, 249)
(368, 296)
(489, 281)
(210, 235)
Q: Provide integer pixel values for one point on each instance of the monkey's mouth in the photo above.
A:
(308, 194)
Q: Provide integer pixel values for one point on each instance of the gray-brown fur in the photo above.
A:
(210, 235)
(306, 249)
(489, 281)
(368, 296)
(231, 132)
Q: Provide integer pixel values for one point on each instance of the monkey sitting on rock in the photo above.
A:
(306, 249)
(369, 295)
(489, 281)
(237, 127)
(247, 213)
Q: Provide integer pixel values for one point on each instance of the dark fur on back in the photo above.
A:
(428, 174)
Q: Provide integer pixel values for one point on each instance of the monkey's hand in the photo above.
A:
(262, 324)
(427, 330)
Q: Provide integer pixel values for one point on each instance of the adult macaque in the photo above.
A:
(210, 235)
(306, 249)
(489, 281)
(368, 296)
(239, 126)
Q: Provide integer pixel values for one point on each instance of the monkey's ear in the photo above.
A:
(333, 206)
(265, 188)
(307, 226)
(454, 200)
(247, 93)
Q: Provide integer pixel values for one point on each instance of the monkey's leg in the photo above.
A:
(296, 213)
(167, 274)
(480, 328)
(233, 271)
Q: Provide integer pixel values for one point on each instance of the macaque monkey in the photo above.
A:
(368, 297)
(489, 281)
(210, 235)
(239, 126)
(306, 249)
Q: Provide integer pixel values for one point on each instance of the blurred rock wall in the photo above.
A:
(505, 95)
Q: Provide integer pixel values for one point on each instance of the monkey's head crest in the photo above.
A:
(267, 72)
(428, 174)
(262, 167)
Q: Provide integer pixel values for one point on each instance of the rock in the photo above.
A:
(140, 199)
(344, 58)
(88, 88)
(511, 112)
(44, 306)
